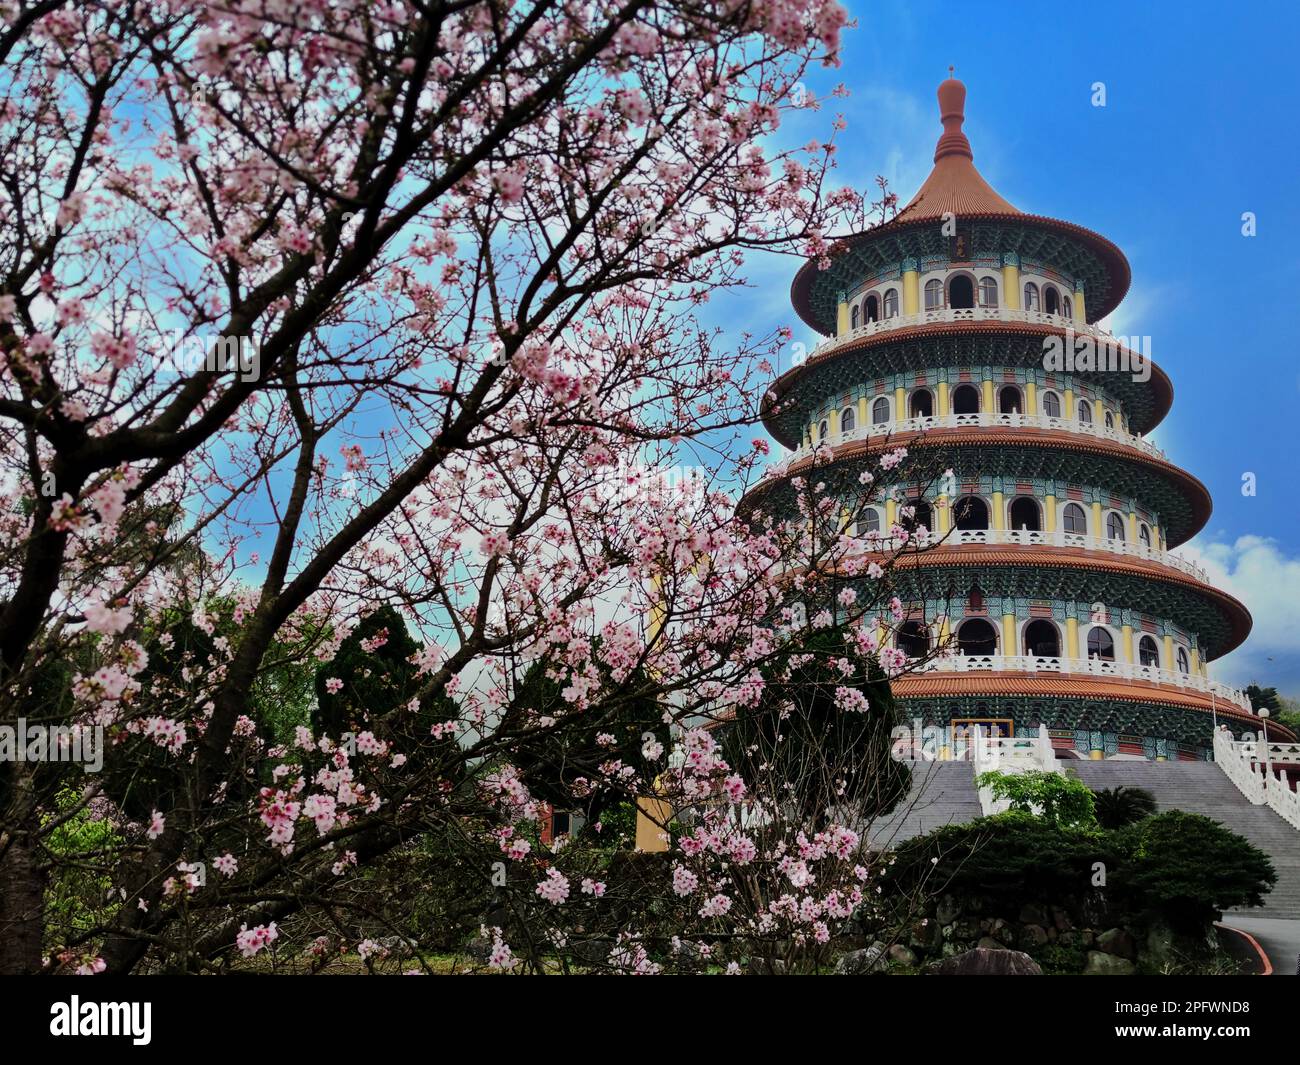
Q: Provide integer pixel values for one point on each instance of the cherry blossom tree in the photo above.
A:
(351, 372)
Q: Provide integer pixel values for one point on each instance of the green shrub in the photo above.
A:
(1186, 868)
(1117, 807)
(1064, 800)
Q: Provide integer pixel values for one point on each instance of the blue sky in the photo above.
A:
(1199, 127)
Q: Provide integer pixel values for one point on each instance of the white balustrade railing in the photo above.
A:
(1097, 667)
(1011, 754)
(1258, 771)
(947, 315)
(987, 420)
(1031, 537)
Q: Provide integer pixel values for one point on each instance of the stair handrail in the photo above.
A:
(1283, 800)
(1239, 760)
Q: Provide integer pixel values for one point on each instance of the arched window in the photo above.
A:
(848, 420)
(977, 637)
(974, 599)
(891, 303)
(1148, 652)
(971, 513)
(933, 294)
(1031, 296)
(869, 521)
(913, 639)
(961, 293)
(853, 317)
(1110, 420)
(1051, 300)
(988, 292)
(1101, 645)
(880, 411)
(965, 400)
(1009, 400)
(1085, 412)
(1042, 639)
(921, 405)
(1184, 663)
(1074, 520)
(920, 516)
(1025, 514)
(823, 429)
(1114, 526)
(1144, 535)
(1051, 404)
(871, 309)
(1067, 308)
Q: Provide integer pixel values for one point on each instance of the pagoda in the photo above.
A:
(1050, 596)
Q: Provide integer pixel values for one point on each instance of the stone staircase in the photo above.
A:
(1202, 788)
(942, 793)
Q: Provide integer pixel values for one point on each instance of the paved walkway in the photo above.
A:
(1279, 937)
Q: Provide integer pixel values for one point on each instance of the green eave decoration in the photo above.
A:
(868, 257)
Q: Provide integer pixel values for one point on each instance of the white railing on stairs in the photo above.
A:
(1257, 769)
(1011, 754)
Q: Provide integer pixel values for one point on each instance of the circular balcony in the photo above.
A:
(1029, 537)
(948, 316)
(1074, 669)
(1087, 430)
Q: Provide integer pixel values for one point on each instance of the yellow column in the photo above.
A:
(1011, 287)
(862, 412)
(891, 513)
(1009, 634)
(1031, 398)
(1126, 639)
(1132, 527)
(652, 815)
(1155, 536)
(1097, 529)
(942, 410)
(1096, 755)
(1079, 313)
(834, 419)
(1169, 653)
(1072, 637)
(943, 629)
(900, 404)
(1068, 411)
(846, 516)
(1049, 511)
(1196, 661)
(999, 518)
(911, 292)
(942, 515)
(988, 404)
(842, 318)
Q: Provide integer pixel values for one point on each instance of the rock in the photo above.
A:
(776, 966)
(987, 943)
(1102, 964)
(903, 956)
(860, 962)
(1061, 919)
(1031, 913)
(1117, 941)
(1087, 937)
(966, 930)
(947, 910)
(983, 961)
(1033, 935)
(1003, 930)
(925, 935)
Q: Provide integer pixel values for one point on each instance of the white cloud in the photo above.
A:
(1257, 571)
